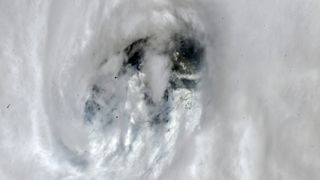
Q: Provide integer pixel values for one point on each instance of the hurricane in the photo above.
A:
(159, 90)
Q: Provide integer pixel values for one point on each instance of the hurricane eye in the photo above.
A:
(187, 55)
(186, 58)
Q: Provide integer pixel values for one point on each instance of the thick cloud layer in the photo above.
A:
(258, 98)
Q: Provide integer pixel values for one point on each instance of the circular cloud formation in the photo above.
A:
(121, 100)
